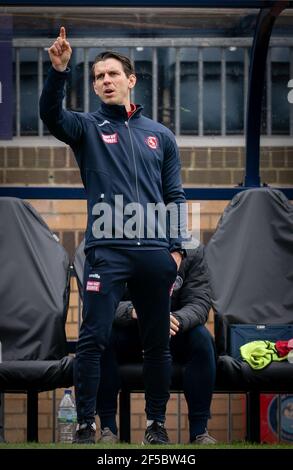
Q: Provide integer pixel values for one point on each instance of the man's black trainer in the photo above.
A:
(85, 434)
(156, 434)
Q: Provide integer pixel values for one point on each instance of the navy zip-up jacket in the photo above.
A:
(125, 163)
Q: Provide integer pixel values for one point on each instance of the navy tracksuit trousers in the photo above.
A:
(150, 274)
(194, 349)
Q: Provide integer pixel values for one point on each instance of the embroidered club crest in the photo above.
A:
(152, 142)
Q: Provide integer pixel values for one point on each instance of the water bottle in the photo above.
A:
(66, 418)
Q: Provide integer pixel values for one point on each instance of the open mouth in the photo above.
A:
(108, 92)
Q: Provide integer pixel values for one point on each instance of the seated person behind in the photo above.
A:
(191, 345)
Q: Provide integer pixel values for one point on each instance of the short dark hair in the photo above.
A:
(127, 65)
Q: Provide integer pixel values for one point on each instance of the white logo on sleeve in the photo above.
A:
(103, 123)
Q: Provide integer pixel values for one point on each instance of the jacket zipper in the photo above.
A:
(136, 178)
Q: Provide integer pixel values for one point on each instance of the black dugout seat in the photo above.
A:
(34, 296)
(250, 259)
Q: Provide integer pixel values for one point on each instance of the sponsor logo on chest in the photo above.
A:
(110, 138)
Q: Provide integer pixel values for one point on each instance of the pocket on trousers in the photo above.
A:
(95, 257)
(98, 277)
(172, 259)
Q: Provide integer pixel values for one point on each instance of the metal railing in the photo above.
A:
(177, 44)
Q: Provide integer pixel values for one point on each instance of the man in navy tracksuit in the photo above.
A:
(128, 164)
(191, 345)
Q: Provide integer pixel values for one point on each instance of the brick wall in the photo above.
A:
(200, 167)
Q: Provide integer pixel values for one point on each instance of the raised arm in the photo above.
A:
(60, 51)
(63, 124)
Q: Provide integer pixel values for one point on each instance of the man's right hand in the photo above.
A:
(174, 325)
(60, 52)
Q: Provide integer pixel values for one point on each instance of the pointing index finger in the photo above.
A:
(62, 32)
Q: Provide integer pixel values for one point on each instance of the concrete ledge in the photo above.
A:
(183, 141)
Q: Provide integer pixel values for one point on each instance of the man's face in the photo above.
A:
(111, 84)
